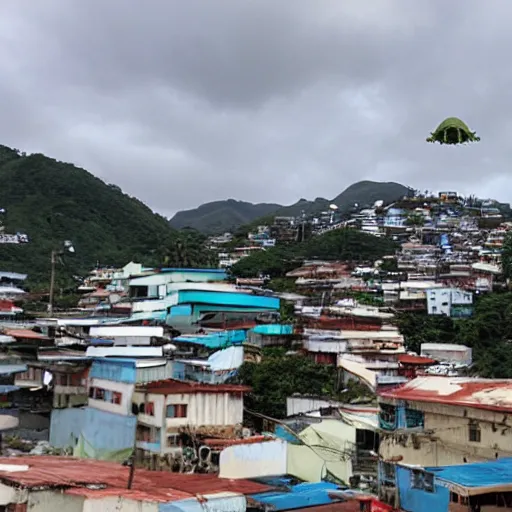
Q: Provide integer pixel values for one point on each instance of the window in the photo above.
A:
(422, 480)
(172, 440)
(99, 394)
(150, 408)
(177, 411)
(91, 392)
(475, 434)
(117, 397)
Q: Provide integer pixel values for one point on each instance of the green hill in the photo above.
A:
(221, 216)
(54, 201)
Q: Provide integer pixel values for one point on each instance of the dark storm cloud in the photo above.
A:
(182, 102)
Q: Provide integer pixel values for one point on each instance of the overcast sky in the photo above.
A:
(181, 102)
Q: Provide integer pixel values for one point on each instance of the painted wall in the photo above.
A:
(273, 329)
(254, 460)
(125, 389)
(120, 371)
(416, 500)
(228, 299)
(106, 431)
(298, 404)
(452, 444)
(65, 426)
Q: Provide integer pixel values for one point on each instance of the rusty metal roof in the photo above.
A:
(95, 479)
(489, 394)
(171, 386)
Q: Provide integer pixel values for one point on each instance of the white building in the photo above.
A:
(165, 407)
(447, 353)
(449, 302)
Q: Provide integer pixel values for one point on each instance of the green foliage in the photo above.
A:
(276, 377)
(340, 244)
(415, 219)
(221, 216)
(274, 262)
(418, 328)
(506, 256)
(282, 285)
(54, 201)
(488, 333)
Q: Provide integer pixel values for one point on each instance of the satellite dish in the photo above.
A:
(379, 203)
(333, 207)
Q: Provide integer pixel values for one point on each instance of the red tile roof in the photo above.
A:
(78, 475)
(489, 394)
(171, 386)
(417, 360)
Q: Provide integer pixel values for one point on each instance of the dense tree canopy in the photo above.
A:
(488, 333)
(340, 244)
(54, 201)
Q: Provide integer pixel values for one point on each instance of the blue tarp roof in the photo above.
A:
(299, 496)
(478, 474)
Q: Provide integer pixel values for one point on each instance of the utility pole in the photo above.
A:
(52, 282)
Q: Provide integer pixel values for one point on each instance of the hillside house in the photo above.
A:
(105, 429)
(485, 486)
(166, 409)
(441, 421)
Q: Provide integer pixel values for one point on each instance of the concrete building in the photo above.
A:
(165, 408)
(449, 302)
(439, 421)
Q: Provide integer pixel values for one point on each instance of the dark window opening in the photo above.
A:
(475, 434)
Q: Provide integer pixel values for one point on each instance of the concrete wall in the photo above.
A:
(118, 504)
(52, 501)
(449, 443)
(254, 460)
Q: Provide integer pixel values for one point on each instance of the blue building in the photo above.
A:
(105, 429)
(481, 486)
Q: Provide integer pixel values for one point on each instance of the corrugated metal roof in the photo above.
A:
(171, 386)
(419, 360)
(25, 334)
(490, 394)
(79, 475)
